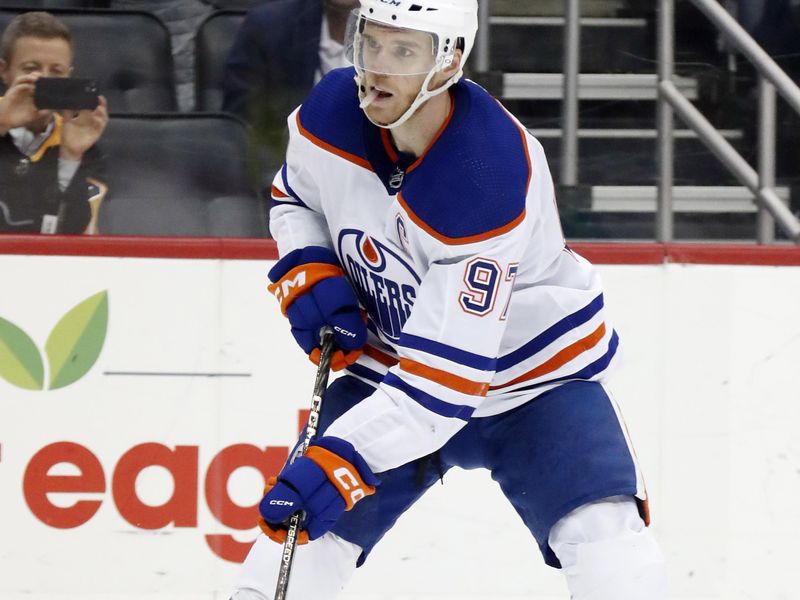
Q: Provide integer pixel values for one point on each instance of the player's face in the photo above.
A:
(396, 63)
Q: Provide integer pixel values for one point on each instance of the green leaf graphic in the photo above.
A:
(75, 342)
(20, 362)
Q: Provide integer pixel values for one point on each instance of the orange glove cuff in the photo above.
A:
(339, 360)
(299, 280)
(344, 476)
(279, 535)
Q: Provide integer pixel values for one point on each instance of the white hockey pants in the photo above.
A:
(605, 551)
(319, 572)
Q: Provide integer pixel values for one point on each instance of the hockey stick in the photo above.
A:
(320, 383)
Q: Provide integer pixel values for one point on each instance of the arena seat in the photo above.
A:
(234, 4)
(127, 52)
(179, 175)
(55, 4)
(212, 43)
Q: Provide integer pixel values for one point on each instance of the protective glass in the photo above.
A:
(385, 50)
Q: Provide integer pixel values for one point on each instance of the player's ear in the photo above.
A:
(455, 65)
(446, 73)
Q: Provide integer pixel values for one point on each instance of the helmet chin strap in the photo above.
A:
(423, 95)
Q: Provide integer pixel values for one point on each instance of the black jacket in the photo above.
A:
(273, 59)
(29, 188)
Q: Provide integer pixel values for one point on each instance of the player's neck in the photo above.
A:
(415, 135)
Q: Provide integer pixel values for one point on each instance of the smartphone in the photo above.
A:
(65, 93)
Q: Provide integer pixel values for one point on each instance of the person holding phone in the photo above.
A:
(51, 171)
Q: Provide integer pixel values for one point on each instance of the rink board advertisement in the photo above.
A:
(144, 400)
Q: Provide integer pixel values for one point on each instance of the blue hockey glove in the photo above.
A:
(314, 292)
(326, 481)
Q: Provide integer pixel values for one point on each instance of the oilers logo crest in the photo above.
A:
(386, 284)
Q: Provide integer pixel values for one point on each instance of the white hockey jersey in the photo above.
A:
(476, 305)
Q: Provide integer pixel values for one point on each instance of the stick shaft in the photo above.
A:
(320, 383)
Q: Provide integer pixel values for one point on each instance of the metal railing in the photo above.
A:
(672, 100)
(569, 110)
(569, 106)
(483, 37)
(762, 182)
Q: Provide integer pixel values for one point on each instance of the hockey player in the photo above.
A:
(416, 217)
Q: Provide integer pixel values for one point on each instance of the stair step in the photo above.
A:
(559, 22)
(536, 44)
(556, 7)
(591, 86)
(639, 134)
(632, 161)
(694, 199)
(720, 213)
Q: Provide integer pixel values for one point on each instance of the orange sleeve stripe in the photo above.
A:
(277, 193)
(448, 380)
(385, 359)
(344, 476)
(469, 239)
(361, 162)
(299, 280)
(561, 358)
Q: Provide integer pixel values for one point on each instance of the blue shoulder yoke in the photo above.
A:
(474, 179)
(331, 113)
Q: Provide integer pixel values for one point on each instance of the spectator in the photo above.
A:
(50, 169)
(282, 49)
(772, 24)
(181, 17)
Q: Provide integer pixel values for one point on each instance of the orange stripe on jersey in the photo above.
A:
(439, 133)
(386, 360)
(277, 193)
(467, 239)
(361, 162)
(527, 158)
(344, 476)
(448, 380)
(299, 280)
(561, 358)
(524, 143)
(387, 145)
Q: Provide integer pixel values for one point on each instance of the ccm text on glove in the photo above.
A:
(330, 478)
(314, 292)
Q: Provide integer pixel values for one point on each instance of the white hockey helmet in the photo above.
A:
(452, 25)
